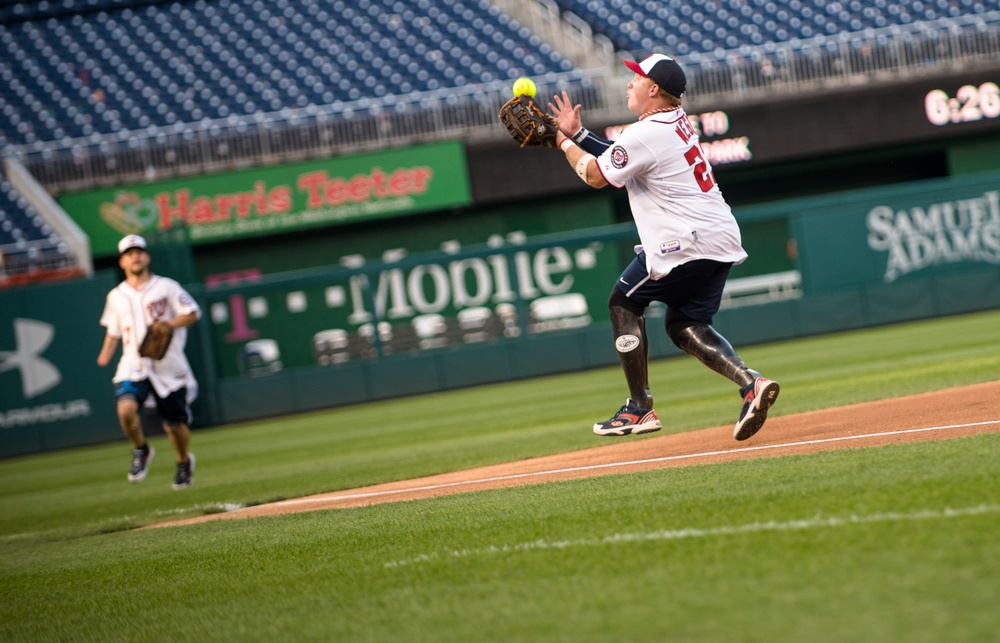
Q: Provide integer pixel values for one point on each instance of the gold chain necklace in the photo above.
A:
(657, 111)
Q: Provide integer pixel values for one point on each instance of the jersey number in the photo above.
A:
(703, 175)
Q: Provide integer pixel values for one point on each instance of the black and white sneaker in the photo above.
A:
(757, 399)
(629, 420)
(140, 464)
(185, 473)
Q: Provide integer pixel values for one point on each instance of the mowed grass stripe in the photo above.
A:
(692, 532)
(323, 575)
(82, 491)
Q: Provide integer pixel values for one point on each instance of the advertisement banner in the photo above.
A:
(890, 235)
(420, 303)
(54, 394)
(422, 287)
(279, 199)
(442, 281)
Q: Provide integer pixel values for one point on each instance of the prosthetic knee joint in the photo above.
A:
(713, 350)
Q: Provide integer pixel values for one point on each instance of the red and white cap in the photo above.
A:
(662, 70)
(129, 242)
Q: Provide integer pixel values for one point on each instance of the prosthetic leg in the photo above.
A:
(629, 325)
(713, 350)
(710, 348)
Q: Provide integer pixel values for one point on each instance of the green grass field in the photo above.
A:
(894, 543)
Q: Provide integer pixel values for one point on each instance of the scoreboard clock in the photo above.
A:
(969, 104)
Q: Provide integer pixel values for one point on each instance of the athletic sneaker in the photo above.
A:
(185, 473)
(757, 399)
(140, 464)
(629, 420)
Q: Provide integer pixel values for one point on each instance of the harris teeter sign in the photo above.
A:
(272, 200)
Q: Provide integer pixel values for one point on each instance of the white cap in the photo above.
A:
(131, 241)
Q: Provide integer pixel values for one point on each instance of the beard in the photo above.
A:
(138, 269)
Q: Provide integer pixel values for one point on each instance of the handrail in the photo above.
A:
(745, 74)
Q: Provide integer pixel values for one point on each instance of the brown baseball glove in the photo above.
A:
(527, 124)
(157, 340)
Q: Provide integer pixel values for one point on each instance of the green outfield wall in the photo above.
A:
(384, 329)
(52, 393)
(488, 308)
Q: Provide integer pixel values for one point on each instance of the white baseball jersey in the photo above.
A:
(677, 206)
(127, 315)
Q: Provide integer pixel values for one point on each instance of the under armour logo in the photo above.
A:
(37, 374)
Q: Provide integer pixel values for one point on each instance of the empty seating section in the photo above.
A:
(702, 26)
(94, 69)
(27, 243)
(131, 68)
(80, 68)
(73, 69)
(19, 223)
(114, 65)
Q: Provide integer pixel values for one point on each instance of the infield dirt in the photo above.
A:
(938, 415)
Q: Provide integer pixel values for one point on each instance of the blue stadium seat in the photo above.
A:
(83, 68)
(27, 243)
(72, 69)
(99, 67)
(687, 27)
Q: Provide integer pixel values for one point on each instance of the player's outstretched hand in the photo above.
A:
(566, 115)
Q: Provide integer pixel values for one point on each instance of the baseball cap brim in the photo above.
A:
(634, 66)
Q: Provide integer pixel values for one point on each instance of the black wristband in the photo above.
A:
(581, 134)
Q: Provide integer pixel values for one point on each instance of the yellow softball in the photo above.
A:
(525, 86)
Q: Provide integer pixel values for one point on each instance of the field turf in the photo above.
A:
(895, 543)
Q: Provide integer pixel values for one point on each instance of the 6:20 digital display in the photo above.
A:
(969, 104)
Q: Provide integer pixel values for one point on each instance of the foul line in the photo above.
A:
(611, 465)
(694, 532)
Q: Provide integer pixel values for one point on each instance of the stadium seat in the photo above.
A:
(99, 69)
(81, 68)
(708, 26)
(96, 70)
(27, 243)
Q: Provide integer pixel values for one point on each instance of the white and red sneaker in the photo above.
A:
(629, 420)
(757, 399)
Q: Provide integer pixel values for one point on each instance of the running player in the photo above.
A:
(690, 240)
(130, 309)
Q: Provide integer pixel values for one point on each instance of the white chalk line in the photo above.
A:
(611, 465)
(207, 508)
(204, 508)
(688, 533)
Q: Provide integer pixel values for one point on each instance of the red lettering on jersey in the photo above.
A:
(157, 309)
(702, 172)
(685, 130)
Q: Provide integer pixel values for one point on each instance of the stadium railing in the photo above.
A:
(846, 59)
(747, 74)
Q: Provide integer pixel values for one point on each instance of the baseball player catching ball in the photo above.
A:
(690, 240)
(142, 302)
